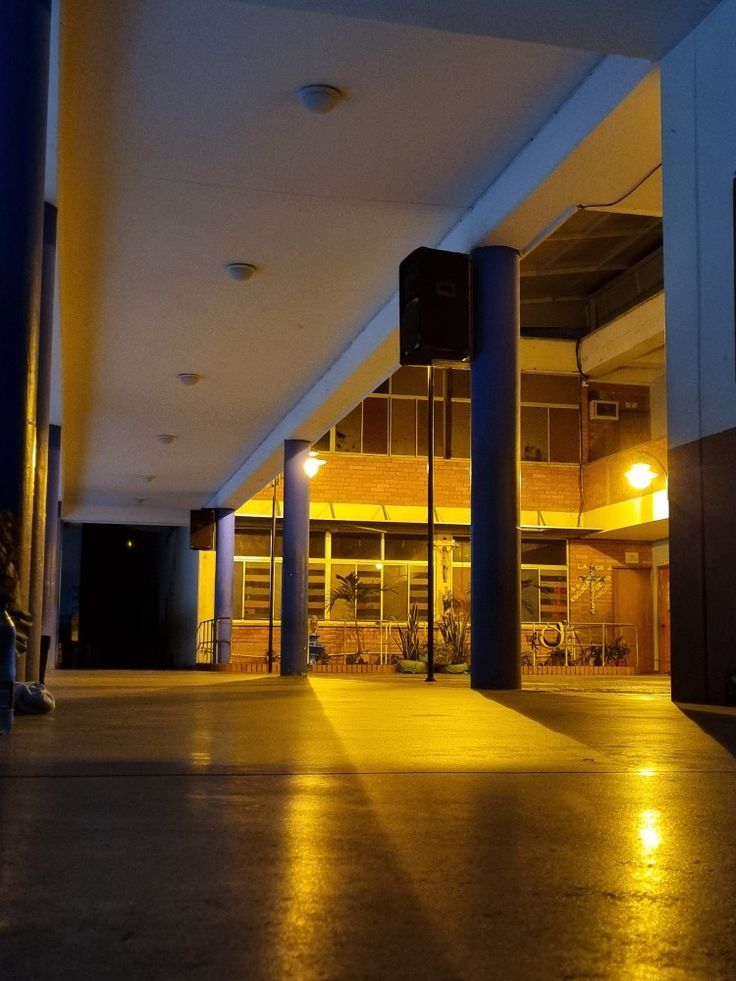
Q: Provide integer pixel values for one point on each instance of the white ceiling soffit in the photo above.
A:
(182, 147)
(595, 147)
(631, 27)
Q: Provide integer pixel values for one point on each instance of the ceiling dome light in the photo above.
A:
(166, 438)
(240, 270)
(320, 98)
(189, 377)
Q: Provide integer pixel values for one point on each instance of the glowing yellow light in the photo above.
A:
(649, 833)
(379, 565)
(640, 475)
(312, 465)
(646, 771)
(129, 543)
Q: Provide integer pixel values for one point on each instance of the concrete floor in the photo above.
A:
(197, 826)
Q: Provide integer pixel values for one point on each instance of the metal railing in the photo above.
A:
(580, 644)
(213, 641)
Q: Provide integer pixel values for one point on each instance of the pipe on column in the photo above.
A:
(224, 558)
(43, 401)
(51, 578)
(295, 531)
(496, 472)
(24, 78)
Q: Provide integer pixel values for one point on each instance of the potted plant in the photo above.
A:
(413, 651)
(353, 591)
(454, 627)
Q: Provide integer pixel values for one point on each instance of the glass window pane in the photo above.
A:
(461, 583)
(237, 590)
(529, 594)
(316, 544)
(347, 432)
(549, 389)
(564, 435)
(418, 589)
(356, 546)
(396, 592)
(406, 547)
(534, 444)
(439, 427)
(382, 388)
(323, 445)
(460, 430)
(403, 427)
(316, 600)
(552, 595)
(256, 542)
(543, 552)
(409, 381)
(462, 551)
(256, 592)
(460, 384)
(369, 592)
(342, 609)
(375, 425)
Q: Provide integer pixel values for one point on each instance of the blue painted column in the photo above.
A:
(495, 471)
(294, 606)
(24, 73)
(224, 558)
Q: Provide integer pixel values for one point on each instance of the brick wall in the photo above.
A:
(606, 556)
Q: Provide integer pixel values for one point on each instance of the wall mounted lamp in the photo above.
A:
(313, 464)
(640, 475)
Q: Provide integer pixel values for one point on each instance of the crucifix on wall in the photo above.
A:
(592, 582)
(445, 547)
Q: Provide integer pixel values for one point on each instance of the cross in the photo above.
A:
(593, 582)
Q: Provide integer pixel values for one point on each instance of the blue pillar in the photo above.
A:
(495, 589)
(24, 71)
(224, 557)
(294, 607)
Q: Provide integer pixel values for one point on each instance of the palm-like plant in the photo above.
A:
(409, 642)
(454, 627)
(353, 591)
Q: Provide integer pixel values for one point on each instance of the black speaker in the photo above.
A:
(202, 530)
(434, 301)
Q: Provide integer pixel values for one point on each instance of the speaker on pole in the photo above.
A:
(434, 300)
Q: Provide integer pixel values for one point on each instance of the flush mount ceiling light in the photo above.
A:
(189, 377)
(320, 98)
(166, 438)
(240, 270)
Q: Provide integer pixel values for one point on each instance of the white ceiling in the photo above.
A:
(182, 147)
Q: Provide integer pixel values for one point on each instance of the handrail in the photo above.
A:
(210, 643)
(576, 643)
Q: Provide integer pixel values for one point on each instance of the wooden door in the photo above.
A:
(663, 617)
(632, 603)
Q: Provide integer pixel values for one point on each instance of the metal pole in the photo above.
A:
(430, 524)
(272, 576)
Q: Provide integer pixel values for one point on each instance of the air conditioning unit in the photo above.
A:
(603, 410)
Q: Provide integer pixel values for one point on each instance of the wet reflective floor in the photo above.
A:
(189, 825)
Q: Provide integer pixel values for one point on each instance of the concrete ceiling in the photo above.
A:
(182, 147)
